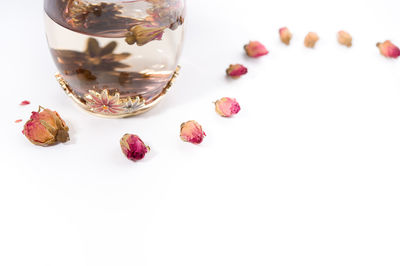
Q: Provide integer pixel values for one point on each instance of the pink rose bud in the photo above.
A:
(255, 49)
(236, 71)
(192, 132)
(388, 49)
(311, 39)
(227, 107)
(344, 38)
(45, 128)
(285, 35)
(133, 147)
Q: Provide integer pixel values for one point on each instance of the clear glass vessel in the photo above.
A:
(116, 58)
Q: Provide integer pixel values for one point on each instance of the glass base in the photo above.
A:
(104, 104)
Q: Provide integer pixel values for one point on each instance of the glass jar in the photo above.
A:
(116, 58)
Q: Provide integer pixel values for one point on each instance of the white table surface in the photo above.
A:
(307, 174)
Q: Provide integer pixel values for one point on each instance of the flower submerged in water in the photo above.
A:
(227, 107)
(192, 132)
(82, 15)
(45, 128)
(285, 35)
(311, 39)
(344, 38)
(144, 33)
(133, 147)
(104, 103)
(388, 49)
(255, 49)
(236, 71)
(95, 58)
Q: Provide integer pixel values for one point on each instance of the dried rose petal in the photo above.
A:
(23, 103)
(45, 128)
(345, 38)
(18, 121)
(192, 132)
(255, 49)
(227, 107)
(133, 147)
(311, 39)
(236, 71)
(388, 49)
(285, 35)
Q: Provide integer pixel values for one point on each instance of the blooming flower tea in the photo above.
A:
(115, 58)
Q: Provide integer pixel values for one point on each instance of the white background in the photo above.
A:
(307, 174)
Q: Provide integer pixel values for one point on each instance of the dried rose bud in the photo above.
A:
(192, 132)
(45, 128)
(133, 147)
(144, 33)
(311, 39)
(388, 49)
(286, 35)
(255, 49)
(23, 103)
(345, 38)
(227, 107)
(236, 71)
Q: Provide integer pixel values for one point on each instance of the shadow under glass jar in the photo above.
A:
(116, 58)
